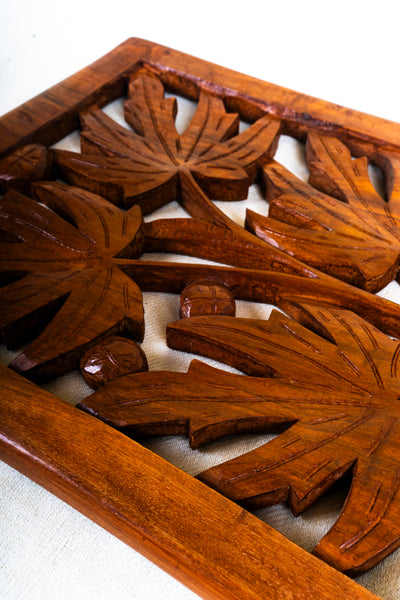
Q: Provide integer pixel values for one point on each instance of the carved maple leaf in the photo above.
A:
(337, 222)
(70, 275)
(335, 393)
(152, 164)
(146, 166)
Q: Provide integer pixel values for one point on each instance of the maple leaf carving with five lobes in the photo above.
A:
(337, 222)
(62, 268)
(335, 394)
(70, 273)
(151, 164)
(67, 264)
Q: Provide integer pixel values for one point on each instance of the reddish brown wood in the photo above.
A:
(334, 393)
(223, 242)
(66, 264)
(154, 164)
(205, 146)
(159, 510)
(74, 262)
(62, 262)
(69, 269)
(113, 357)
(281, 289)
(53, 114)
(143, 166)
(69, 264)
(206, 298)
(337, 222)
(22, 166)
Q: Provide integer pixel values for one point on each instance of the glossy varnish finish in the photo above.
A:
(144, 166)
(53, 114)
(22, 166)
(206, 298)
(337, 221)
(139, 498)
(72, 276)
(334, 396)
(112, 357)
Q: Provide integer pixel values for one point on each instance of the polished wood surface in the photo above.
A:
(72, 273)
(337, 221)
(25, 164)
(209, 158)
(143, 166)
(113, 357)
(159, 510)
(334, 394)
(282, 289)
(206, 298)
(54, 113)
(69, 274)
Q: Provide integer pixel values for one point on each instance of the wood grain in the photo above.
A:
(162, 512)
(335, 396)
(53, 114)
(143, 166)
(282, 289)
(66, 271)
(24, 165)
(336, 222)
(63, 269)
(225, 243)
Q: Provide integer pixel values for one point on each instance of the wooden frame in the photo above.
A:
(77, 479)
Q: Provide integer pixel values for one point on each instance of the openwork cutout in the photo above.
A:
(73, 274)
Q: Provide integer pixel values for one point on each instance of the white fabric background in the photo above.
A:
(340, 52)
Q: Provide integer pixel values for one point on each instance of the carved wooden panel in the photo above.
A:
(347, 228)
(73, 232)
(334, 394)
